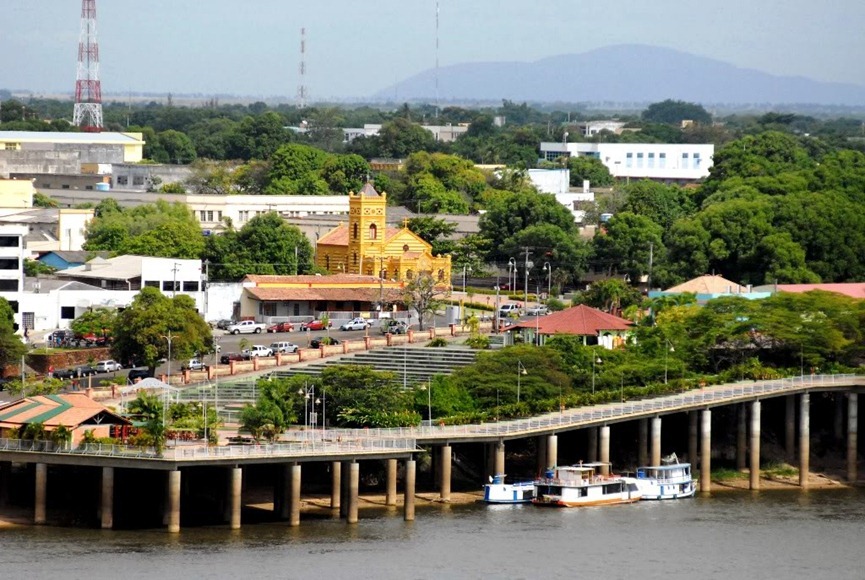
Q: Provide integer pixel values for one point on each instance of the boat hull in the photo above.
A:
(666, 491)
(553, 502)
(508, 493)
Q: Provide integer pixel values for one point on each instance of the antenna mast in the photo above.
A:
(88, 88)
(437, 59)
(301, 87)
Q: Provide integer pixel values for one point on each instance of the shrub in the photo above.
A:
(479, 342)
(437, 342)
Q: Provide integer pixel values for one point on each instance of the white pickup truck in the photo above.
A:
(247, 327)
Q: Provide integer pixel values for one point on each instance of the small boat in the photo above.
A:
(582, 485)
(497, 491)
(670, 480)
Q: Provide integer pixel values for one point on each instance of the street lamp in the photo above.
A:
(428, 389)
(164, 390)
(521, 370)
(512, 271)
(667, 351)
(595, 360)
(549, 270)
(469, 268)
(308, 393)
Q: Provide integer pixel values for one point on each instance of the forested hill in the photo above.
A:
(624, 73)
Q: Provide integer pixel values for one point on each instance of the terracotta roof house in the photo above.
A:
(75, 411)
(851, 289)
(594, 326)
(710, 286)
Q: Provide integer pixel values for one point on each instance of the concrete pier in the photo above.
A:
(541, 454)
(390, 474)
(343, 489)
(236, 496)
(706, 451)
(39, 511)
(656, 441)
(593, 444)
(852, 436)
(353, 486)
(408, 502)
(693, 437)
(444, 472)
(281, 492)
(173, 511)
(107, 503)
(500, 457)
(754, 479)
(552, 451)
(790, 426)
(804, 439)
(838, 423)
(294, 494)
(5, 481)
(741, 437)
(335, 484)
(605, 450)
(643, 442)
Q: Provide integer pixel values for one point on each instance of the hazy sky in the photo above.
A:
(354, 48)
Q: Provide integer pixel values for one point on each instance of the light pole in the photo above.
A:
(667, 351)
(165, 390)
(216, 376)
(428, 389)
(469, 268)
(549, 270)
(496, 315)
(528, 267)
(595, 360)
(308, 393)
(521, 370)
(512, 271)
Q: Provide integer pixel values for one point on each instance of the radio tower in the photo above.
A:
(88, 89)
(301, 87)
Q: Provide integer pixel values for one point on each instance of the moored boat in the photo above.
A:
(670, 480)
(497, 491)
(582, 485)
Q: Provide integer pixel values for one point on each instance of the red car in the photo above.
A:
(315, 325)
(281, 327)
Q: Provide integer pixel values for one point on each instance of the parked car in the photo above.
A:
(138, 373)
(539, 310)
(228, 357)
(322, 341)
(225, 323)
(256, 350)
(63, 374)
(281, 327)
(247, 327)
(108, 366)
(315, 325)
(356, 324)
(193, 365)
(283, 347)
(393, 326)
(85, 371)
(5, 381)
(506, 310)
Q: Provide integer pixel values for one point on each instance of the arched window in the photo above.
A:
(405, 248)
(441, 275)
(354, 232)
(373, 231)
(327, 262)
(409, 275)
(354, 258)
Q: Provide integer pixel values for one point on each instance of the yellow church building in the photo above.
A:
(367, 246)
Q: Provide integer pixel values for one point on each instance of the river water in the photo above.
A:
(772, 534)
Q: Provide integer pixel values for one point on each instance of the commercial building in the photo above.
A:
(12, 253)
(671, 163)
(64, 153)
(16, 193)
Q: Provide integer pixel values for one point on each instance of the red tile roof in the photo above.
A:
(580, 320)
(350, 279)
(853, 289)
(338, 236)
(325, 294)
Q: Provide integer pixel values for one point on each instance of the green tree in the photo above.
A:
(424, 296)
(99, 322)
(11, 347)
(565, 252)
(674, 112)
(589, 168)
(612, 295)
(358, 396)
(624, 246)
(345, 173)
(177, 148)
(42, 200)
(663, 204)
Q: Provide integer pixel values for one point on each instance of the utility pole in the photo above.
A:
(651, 258)
(527, 252)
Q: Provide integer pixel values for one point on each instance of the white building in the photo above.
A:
(443, 133)
(551, 180)
(678, 163)
(592, 128)
(12, 255)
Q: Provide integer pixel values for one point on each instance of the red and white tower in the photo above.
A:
(88, 89)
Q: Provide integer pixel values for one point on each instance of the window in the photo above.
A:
(268, 308)
(684, 160)
(662, 160)
(122, 180)
(296, 309)
(327, 262)
(67, 312)
(8, 285)
(373, 231)
(651, 160)
(354, 258)
(151, 284)
(696, 157)
(65, 186)
(629, 160)
(137, 180)
(170, 286)
(354, 232)
(29, 320)
(639, 159)
(441, 275)
(243, 215)
(409, 275)
(405, 248)
(190, 286)
(219, 216)
(8, 263)
(202, 215)
(210, 216)
(13, 304)
(9, 241)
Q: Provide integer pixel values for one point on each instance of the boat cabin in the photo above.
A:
(665, 473)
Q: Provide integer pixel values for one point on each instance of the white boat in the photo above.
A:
(671, 480)
(582, 485)
(497, 491)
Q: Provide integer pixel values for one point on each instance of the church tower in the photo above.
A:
(367, 230)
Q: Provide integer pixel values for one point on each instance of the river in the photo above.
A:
(771, 535)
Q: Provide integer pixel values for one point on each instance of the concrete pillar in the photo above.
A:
(335, 484)
(706, 451)
(39, 512)
(656, 441)
(593, 444)
(693, 437)
(552, 451)
(408, 503)
(343, 489)
(852, 435)
(390, 495)
(174, 501)
(755, 445)
(283, 491)
(294, 495)
(790, 426)
(804, 439)
(741, 436)
(838, 423)
(5, 481)
(107, 511)
(353, 485)
(541, 445)
(643, 442)
(235, 497)
(500, 458)
(604, 450)
(445, 473)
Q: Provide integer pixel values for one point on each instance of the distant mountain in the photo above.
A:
(624, 73)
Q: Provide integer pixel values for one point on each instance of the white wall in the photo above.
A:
(47, 307)
(551, 180)
(13, 277)
(641, 160)
(220, 300)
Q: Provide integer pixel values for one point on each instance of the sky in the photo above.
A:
(355, 48)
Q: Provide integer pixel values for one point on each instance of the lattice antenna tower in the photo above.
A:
(302, 93)
(88, 88)
(437, 59)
